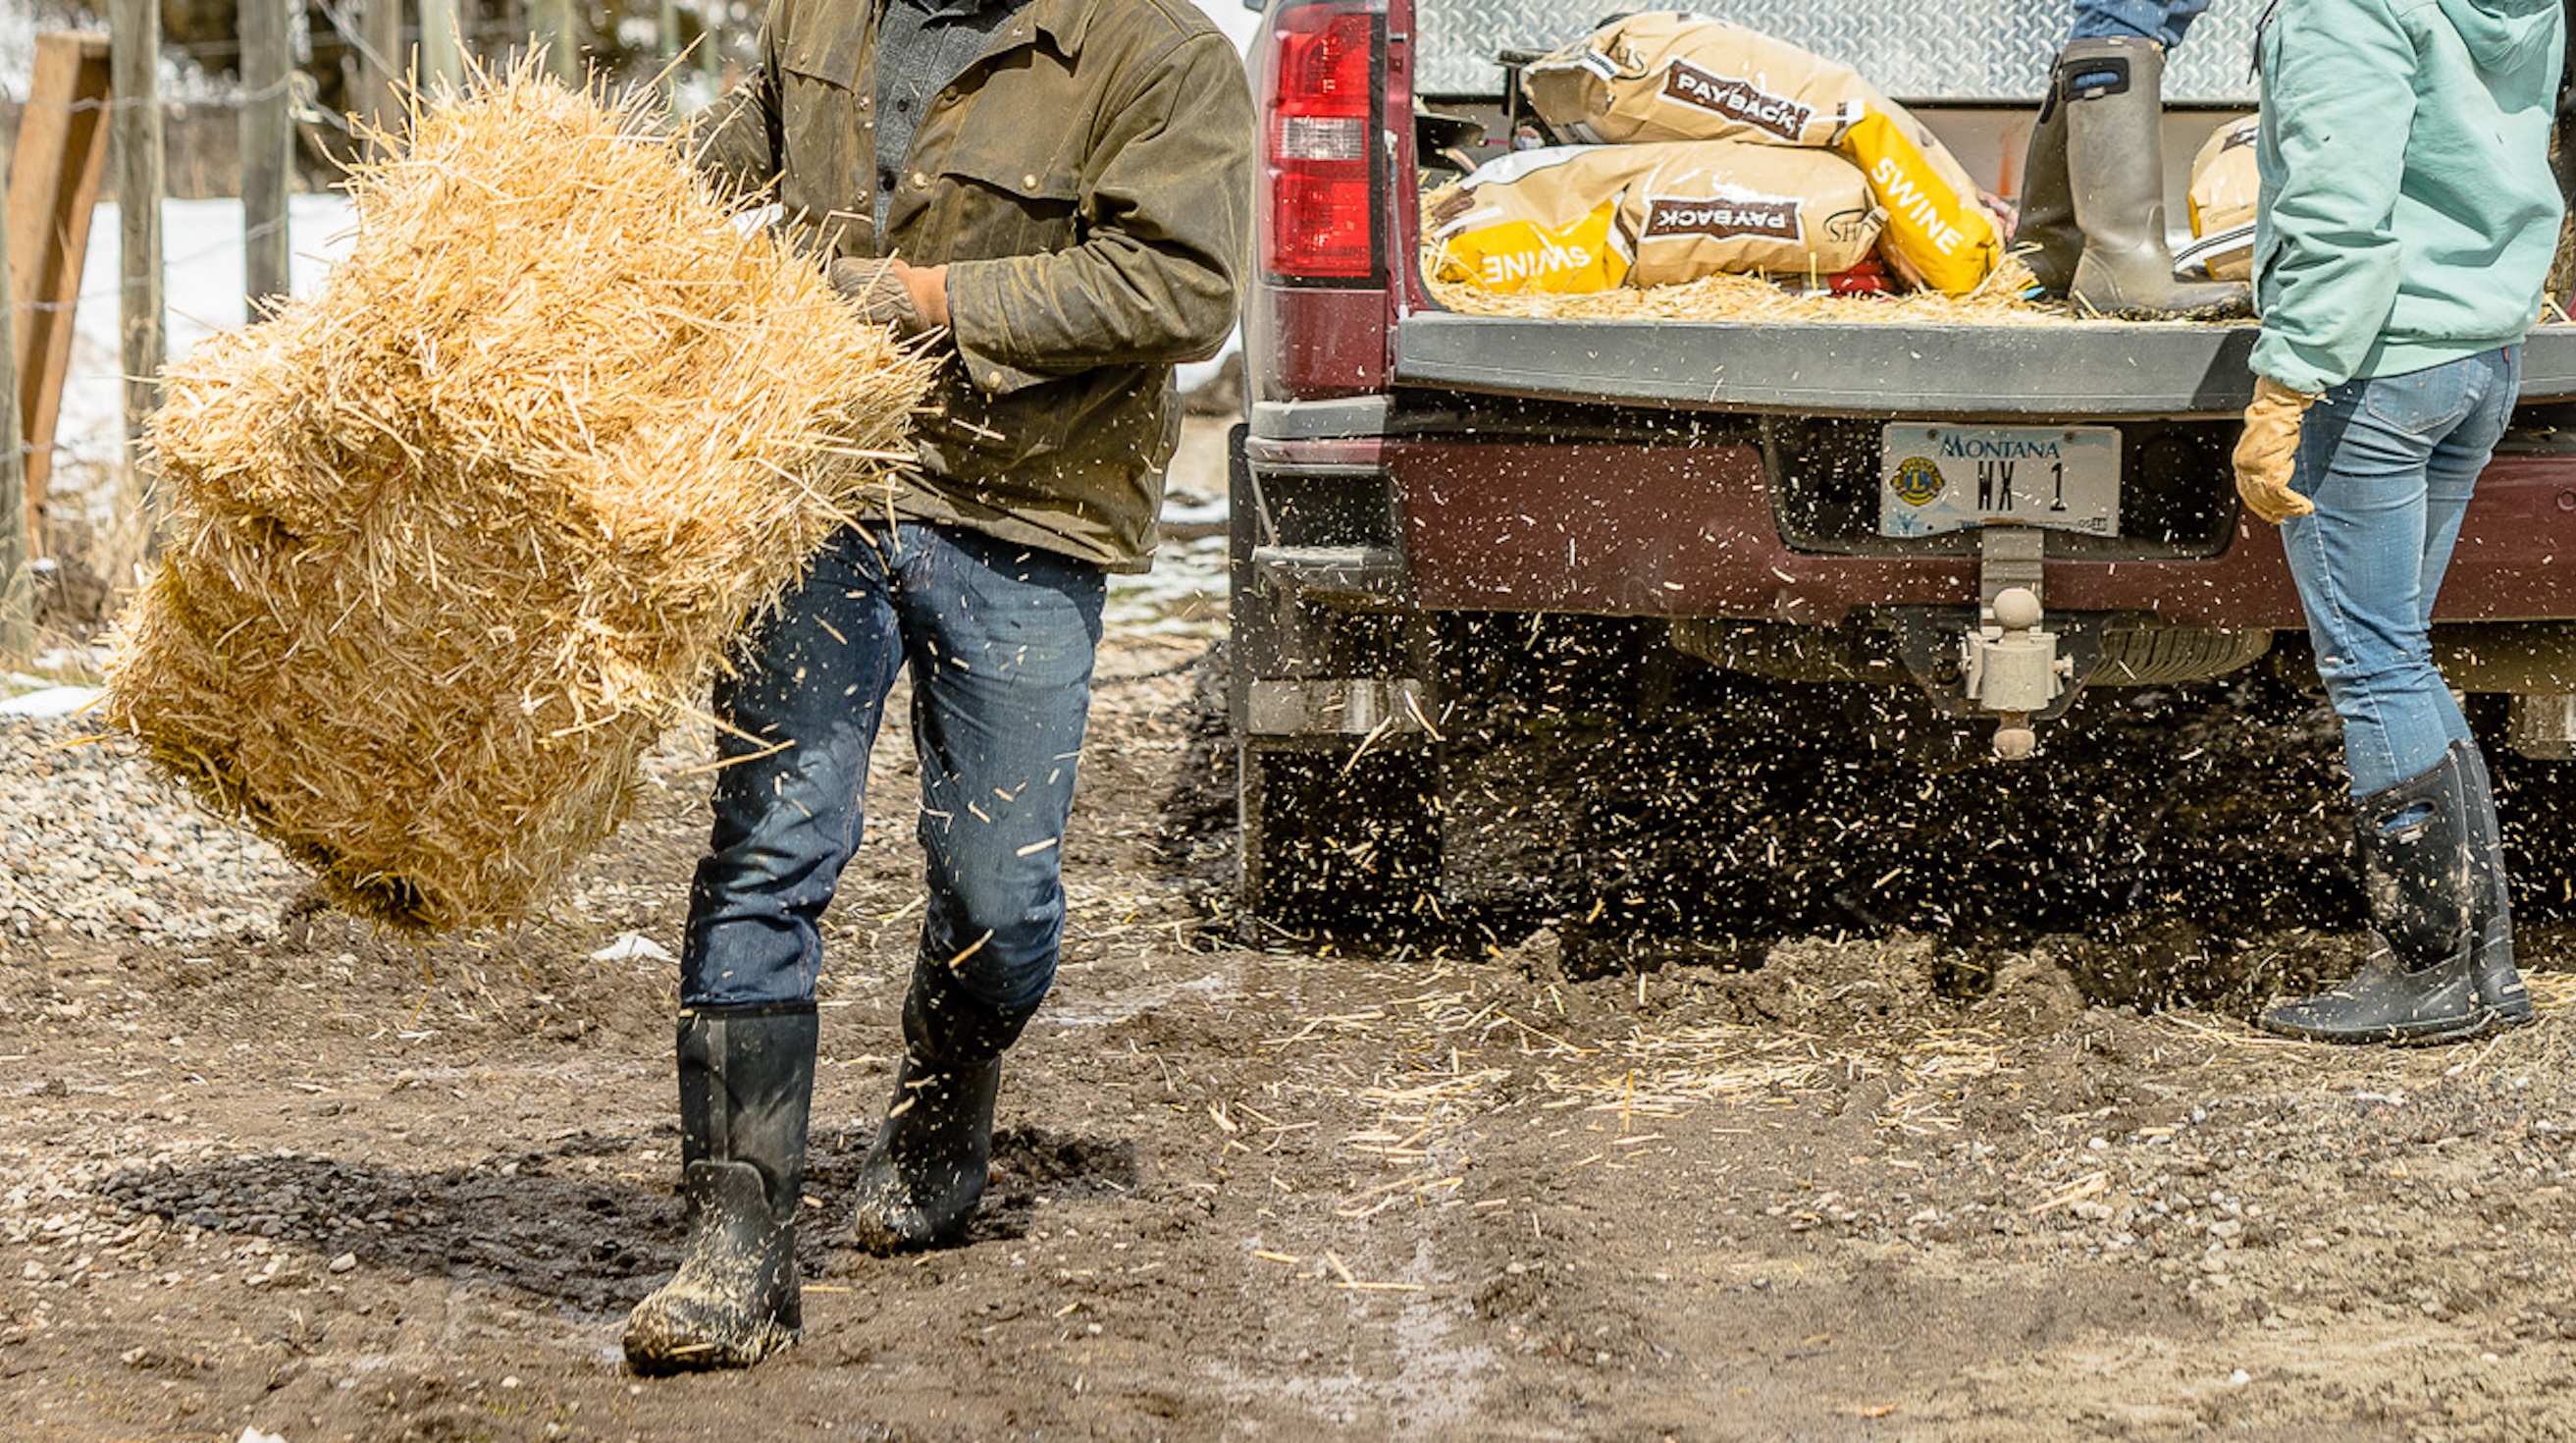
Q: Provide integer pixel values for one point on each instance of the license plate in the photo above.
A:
(1946, 478)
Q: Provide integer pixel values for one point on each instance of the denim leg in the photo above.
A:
(1000, 639)
(2451, 475)
(2162, 21)
(2369, 562)
(800, 718)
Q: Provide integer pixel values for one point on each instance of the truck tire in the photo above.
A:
(2539, 816)
(1336, 834)
(2169, 655)
(2131, 655)
(2538, 812)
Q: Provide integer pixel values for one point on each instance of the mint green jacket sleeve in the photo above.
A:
(2338, 105)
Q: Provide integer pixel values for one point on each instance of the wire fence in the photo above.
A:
(196, 72)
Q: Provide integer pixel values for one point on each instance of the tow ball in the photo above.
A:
(2010, 667)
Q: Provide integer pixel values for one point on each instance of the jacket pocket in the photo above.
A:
(984, 436)
(1013, 202)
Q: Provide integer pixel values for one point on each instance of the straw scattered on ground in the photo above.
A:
(452, 542)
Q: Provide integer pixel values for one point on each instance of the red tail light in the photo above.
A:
(1319, 143)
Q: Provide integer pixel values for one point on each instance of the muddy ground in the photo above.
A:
(1857, 1174)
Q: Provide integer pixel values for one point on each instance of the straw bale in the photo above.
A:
(452, 542)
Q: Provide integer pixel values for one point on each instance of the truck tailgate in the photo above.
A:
(2085, 370)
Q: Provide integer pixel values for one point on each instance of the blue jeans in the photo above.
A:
(2162, 21)
(2389, 462)
(1000, 640)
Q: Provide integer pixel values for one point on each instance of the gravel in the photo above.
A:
(97, 844)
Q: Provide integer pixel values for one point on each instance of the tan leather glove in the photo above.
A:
(912, 299)
(2269, 449)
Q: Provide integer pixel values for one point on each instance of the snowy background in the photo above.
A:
(202, 255)
(202, 248)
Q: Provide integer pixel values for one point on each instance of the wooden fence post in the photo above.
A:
(17, 583)
(667, 34)
(711, 15)
(53, 191)
(267, 147)
(560, 33)
(134, 28)
(383, 65)
(442, 54)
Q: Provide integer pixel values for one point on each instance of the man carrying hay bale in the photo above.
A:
(1054, 195)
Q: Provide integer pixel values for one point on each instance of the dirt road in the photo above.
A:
(1889, 1184)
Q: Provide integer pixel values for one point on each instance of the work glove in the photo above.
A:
(911, 299)
(2269, 450)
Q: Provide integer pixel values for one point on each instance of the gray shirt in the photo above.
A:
(922, 45)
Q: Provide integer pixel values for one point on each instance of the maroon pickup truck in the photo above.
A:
(1425, 500)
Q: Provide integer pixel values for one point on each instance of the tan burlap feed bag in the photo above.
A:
(1583, 218)
(1668, 77)
(1680, 77)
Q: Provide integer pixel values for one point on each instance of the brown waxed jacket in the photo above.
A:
(1088, 183)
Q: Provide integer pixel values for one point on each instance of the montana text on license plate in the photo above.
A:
(1944, 478)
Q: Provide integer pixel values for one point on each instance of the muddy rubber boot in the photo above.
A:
(923, 1177)
(2420, 877)
(746, 1083)
(2500, 984)
(2046, 236)
(2112, 91)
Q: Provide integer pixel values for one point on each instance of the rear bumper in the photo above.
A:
(1687, 531)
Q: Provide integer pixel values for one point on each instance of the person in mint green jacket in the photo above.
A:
(2407, 222)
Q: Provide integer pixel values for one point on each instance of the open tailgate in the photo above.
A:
(2101, 370)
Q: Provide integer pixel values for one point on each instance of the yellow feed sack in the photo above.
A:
(1539, 220)
(2225, 190)
(1582, 218)
(1938, 232)
(1678, 77)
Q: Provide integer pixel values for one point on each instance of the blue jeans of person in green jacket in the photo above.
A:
(1000, 639)
(2390, 462)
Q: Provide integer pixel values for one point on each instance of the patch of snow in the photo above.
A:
(631, 945)
(50, 702)
(204, 275)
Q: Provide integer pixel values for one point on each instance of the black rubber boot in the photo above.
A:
(2420, 877)
(922, 1179)
(2112, 91)
(2046, 236)
(2500, 984)
(746, 1083)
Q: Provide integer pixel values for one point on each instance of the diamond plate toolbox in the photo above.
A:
(1981, 51)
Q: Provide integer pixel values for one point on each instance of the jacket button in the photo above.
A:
(993, 380)
(1028, 182)
(920, 181)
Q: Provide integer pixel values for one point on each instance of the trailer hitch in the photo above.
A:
(2010, 667)
(2007, 659)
